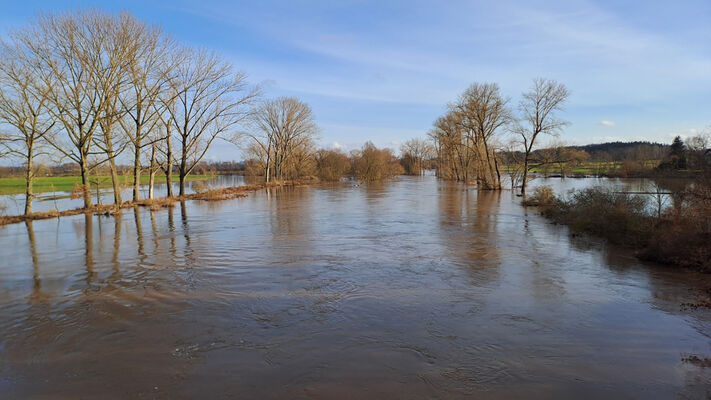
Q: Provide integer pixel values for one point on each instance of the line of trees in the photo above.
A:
(468, 139)
(366, 164)
(86, 86)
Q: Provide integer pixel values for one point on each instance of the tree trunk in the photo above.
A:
(524, 179)
(115, 180)
(152, 177)
(85, 182)
(29, 195)
(183, 163)
(137, 172)
(169, 167)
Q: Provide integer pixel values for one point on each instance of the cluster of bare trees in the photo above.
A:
(414, 155)
(468, 139)
(282, 139)
(87, 86)
(366, 164)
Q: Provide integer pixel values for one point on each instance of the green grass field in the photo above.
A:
(66, 183)
(591, 167)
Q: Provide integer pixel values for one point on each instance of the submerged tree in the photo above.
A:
(23, 109)
(284, 129)
(373, 164)
(146, 82)
(79, 58)
(209, 100)
(413, 154)
(454, 156)
(537, 116)
(483, 112)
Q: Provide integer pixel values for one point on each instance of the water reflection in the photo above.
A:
(37, 293)
(417, 288)
(118, 219)
(89, 248)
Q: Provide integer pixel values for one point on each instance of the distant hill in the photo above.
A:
(618, 151)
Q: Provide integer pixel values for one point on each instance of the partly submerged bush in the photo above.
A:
(200, 186)
(543, 196)
(622, 218)
(681, 236)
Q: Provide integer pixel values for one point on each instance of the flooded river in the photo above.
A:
(415, 288)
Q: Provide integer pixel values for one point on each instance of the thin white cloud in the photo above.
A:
(607, 123)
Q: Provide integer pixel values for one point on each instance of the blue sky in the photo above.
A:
(384, 70)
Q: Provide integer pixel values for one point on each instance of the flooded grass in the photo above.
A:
(219, 194)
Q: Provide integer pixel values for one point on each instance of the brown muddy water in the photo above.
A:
(411, 289)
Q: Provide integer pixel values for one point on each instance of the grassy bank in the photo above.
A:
(678, 236)
(66, 183)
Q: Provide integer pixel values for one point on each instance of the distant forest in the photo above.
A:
(620, 151)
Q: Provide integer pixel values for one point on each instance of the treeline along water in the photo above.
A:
(415, 288)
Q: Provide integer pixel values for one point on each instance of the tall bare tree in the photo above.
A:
(210, 100)
(483, 113)
(537, 116)
(80, 60)
(147, 78)
(453, 155)
(23, 109)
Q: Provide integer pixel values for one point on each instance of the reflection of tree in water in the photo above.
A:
(89, 248)
(468, 220)
(290, 223)
(171, 229)
(37, 293)
(139, 233)
(154, 231)
(290, 215)
(118, 218)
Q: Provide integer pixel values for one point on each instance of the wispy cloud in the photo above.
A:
(647, 67)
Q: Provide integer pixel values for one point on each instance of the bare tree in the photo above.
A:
(282, 127)
(453, 155)
(483, 112)
(210, 100)
(373, 164)
(414, 152)
(80, 60)
(537, 111)
(147, 77)
(23, 107)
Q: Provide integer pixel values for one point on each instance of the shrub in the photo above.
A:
(200, 186)
(542, 197)
(620, 217)
(331, 165)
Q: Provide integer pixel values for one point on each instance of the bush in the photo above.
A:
(200, 186)
(542, 197)
(620, 217)
(331, 165)
(680, 237)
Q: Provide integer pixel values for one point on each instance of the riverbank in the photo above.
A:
(154, 204)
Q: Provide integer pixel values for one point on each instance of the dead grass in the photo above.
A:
(153, 204)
